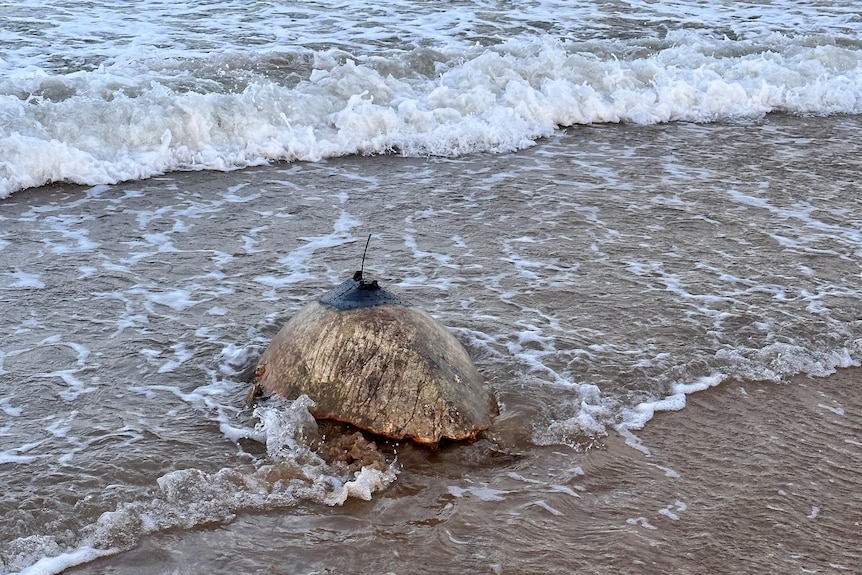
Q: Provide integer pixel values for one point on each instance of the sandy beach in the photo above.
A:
(747, 479)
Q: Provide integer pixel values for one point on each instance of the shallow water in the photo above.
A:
(534, 183)
(750, 478)
(596, 278)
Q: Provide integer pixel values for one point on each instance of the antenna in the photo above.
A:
(362, 267)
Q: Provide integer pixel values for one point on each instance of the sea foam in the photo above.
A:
(187, 498)
(126, 121)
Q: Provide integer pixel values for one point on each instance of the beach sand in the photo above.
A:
(747, 478)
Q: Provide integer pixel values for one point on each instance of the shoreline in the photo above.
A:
(251, 171)
(749, 478)
(735, 483)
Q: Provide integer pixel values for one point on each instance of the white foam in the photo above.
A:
(567, 490)
(457, 541)
(181, 355)
(299, 261)
(16, 454)
(130, 317)
(61, 427)
(835, 410)
(87, 272)
(493, 98)
(547, 507)
(483, 493)
(7, 407)
(234, 359)
(186, 498)
(75, 386)
(637, 417)
(667, 471)
(641, 521)
(365, 482)
(161, 241)
(776, 360)
(75, 238)
(59, 563)
(81, 351)
(672, 511)
(633, 440)
(176, 299)
(11, 456)
(698, 385)
(591, 413)
(25, 280)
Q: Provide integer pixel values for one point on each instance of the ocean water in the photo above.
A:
(98, 93)
(613, 205)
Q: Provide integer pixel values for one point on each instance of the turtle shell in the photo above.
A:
(385, 366)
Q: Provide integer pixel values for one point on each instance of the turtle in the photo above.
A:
(370, 358)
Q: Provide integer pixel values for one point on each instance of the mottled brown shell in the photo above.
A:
(389, 369)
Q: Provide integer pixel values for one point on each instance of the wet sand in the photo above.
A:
(745, 479)
(758, 480)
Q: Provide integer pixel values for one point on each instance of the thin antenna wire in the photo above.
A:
(362, 267)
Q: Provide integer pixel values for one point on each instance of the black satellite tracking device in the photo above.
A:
(359, 292)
